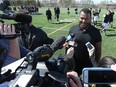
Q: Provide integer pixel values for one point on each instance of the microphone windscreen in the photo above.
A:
(58, 43)
(42, 53)
(24, 18)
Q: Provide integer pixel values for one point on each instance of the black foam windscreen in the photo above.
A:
(24, 18)
(58, 43)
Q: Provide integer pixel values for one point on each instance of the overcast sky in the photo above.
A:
(95, 1)
(98, 1)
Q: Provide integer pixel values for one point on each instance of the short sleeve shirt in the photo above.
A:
(81, 55)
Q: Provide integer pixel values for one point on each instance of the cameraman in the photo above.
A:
(31, 36)
(12, 49)
(37, 37)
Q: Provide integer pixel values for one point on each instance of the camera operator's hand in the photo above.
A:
(113, 67)
(70, 51)
(74, 80)
(8, 29)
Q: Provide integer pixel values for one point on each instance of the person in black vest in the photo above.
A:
(95, 17)
(33, 36)
(111, 18)
(37, 37)
(105, 21)
(68, 10)
(57, 13)
(49, 15)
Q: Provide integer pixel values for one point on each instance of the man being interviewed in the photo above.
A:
(85, 32)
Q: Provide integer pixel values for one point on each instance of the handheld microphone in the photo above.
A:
(43, 53)
(19, 17)
(70, 40)
(58, 43)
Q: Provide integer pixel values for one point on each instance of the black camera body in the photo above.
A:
(22, 19)
(55, 76)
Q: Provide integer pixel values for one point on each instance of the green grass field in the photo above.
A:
(55, 30)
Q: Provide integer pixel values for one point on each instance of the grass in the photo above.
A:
(55, 30)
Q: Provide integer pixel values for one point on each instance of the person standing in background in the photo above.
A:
(49, 15)
(68, 10)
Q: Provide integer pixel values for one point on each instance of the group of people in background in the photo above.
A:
(107, 19)
(75, 11)
(56, 14)
(32, 10)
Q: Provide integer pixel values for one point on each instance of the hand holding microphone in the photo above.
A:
(85, 39)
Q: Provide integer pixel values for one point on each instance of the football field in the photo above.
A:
(54, 29)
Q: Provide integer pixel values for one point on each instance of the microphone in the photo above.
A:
(19, 17)
(43, 53)
(24, 18)
(58, 43)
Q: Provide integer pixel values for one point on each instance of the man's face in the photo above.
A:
(84, 20)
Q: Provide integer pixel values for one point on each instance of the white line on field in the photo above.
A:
(60, 28)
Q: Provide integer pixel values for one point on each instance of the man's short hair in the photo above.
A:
(86, 10)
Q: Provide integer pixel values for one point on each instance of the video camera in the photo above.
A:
(27, 74)
(22, 19)
(22, 28)
(54, 77)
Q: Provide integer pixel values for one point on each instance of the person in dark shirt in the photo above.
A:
(49, 15)
(111, 18)
(105, 21)
(57, 13)
(37, 37)
(33, 37)
(76, 11)
(85, 32)
(95, 17)
(68, 10)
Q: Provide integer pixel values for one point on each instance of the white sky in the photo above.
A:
(98, 1)
(95, 1)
